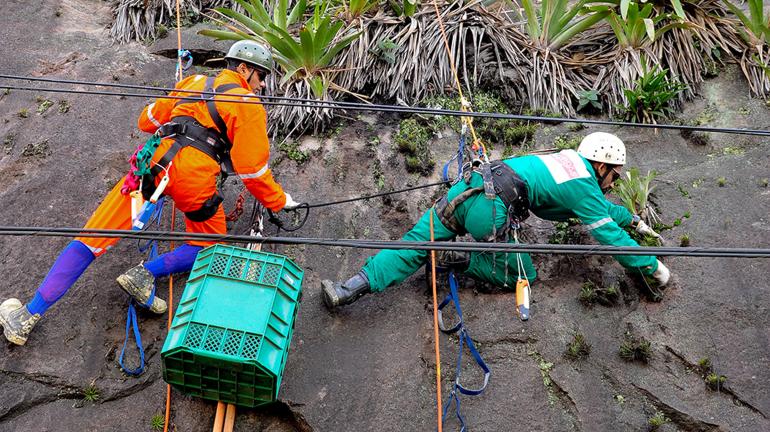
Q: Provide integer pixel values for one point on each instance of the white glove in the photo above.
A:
(290, 203)
(644, 229)
(662, 274)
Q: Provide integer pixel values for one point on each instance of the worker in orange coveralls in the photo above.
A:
(198, 135)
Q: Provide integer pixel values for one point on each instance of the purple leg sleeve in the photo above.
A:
(179, 260)
(72, 262)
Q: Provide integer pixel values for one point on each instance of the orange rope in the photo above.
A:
(463, 102)
(179, 73)
(178, 42)
(435, 326)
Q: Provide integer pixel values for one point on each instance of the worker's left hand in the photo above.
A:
(290, 203)
(644, 229)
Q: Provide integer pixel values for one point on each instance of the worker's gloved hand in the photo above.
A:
(290, 203)
(662, 274)
(644, 229)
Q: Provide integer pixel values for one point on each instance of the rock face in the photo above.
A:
(370, 366)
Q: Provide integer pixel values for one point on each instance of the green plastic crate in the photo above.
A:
(231, 332)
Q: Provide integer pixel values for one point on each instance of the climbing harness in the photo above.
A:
(499, 181)
(464, 340)
(132, 322)
(187, 131)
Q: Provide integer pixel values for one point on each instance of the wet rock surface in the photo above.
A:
(370, 366)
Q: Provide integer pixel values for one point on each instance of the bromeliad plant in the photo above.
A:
(634, 192)
(652, 96)
(405, 8)
(308, 58)
(257, 21)
(550, 27)
(755, 61)
(555, 22)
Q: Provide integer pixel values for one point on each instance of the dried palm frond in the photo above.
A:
(755, 58)
(692, 53)
(139, 19)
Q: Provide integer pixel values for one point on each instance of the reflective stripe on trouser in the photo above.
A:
(390, 267)
(115, 213)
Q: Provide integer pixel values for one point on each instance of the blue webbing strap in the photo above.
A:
(465, 339)
(459, 158)
(132, 321)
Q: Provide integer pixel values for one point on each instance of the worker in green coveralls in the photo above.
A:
(493, 198)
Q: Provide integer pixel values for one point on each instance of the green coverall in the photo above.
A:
(560, 186)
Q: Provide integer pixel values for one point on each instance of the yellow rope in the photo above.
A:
(464, 103)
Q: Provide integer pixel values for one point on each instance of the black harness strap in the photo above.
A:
(187, 131)
(501, 181)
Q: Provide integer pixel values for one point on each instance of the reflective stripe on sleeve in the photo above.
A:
(599, 223)
(149, 115)
(257, 174)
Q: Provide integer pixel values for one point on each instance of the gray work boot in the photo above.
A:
(138, 283)
(16, 320)
(338, 294)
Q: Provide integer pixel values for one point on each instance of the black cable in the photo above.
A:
(395, 245)
(312, 103)
(366, 197)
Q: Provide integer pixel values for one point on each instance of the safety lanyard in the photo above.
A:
(132, 322)
(465, 339)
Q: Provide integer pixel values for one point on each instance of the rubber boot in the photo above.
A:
(337, 294)
(16, 320)
(138, 283)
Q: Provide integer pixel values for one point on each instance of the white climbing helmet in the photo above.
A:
(603, 147)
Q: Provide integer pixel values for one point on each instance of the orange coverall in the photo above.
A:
(193, 174)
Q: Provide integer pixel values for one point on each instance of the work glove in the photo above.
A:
(662, 274)
(644, 229)
(290, 203)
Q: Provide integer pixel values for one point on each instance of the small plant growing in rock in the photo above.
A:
(657, 420)
(565, 233)
(715, 381)
(578, 348)
(292, 151)
(686, 215)
(565, 142)
(591, 294)
(91, 393)
(64, 106)
(23, 113)
(764, 182)
(43, 106)
(684, 240)
(412, 140)
(635, 349)
(157, 422)
(721, 181)
(587, 293)
(576, 127)
(704, 365)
